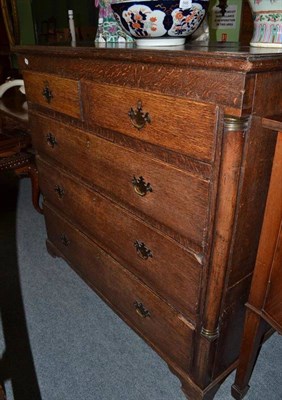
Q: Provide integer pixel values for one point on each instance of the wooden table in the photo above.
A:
(265, 301)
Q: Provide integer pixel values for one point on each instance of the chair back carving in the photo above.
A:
(11, 20)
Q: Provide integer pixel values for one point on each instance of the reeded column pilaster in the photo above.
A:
(232, 154)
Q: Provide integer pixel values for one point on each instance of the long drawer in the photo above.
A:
(162, 264)
(182, 125)
(151, 317)
(146, 185)
(56, 93)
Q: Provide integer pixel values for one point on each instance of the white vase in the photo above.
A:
(267, 16)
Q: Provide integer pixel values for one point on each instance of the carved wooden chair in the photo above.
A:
(2, 393)
(16, 155)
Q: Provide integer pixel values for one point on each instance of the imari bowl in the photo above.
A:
(160, 22)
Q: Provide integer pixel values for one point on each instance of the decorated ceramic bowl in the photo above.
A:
(160, 22)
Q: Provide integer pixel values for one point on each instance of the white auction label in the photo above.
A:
(226, 21)
(184, 4)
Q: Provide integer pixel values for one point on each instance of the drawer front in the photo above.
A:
(162, 327)
(163, 265)
(55, 93)
(175, 199)
(177, 124)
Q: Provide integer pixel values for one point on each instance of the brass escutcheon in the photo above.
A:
(51, 140)
(47, 93)
(141, 310)
(64, 239)
(138, 117)
(60, 191)
(142, 250)
(140, 186)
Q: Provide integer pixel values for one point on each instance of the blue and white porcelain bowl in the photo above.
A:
(160, 22)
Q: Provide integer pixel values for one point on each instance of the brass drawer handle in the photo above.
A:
(64, 240)
(47, 93)
(141, 310)
(51, 140)
(60, 191)
(142, 250)
(138, 117)
(140, 186)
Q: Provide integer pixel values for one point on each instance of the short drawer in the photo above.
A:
(152, 318)
(173, 198)
(56, 93)
(174, 123)
(159, 261)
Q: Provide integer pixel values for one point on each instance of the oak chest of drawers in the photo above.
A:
(154, 168)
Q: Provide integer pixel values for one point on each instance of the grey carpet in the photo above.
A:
(79, 349)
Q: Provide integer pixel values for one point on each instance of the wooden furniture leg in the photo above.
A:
(31, 171)
(2, 393)
(252, 339)
(33, 174)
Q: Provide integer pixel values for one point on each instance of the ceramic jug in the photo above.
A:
(267, 16)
